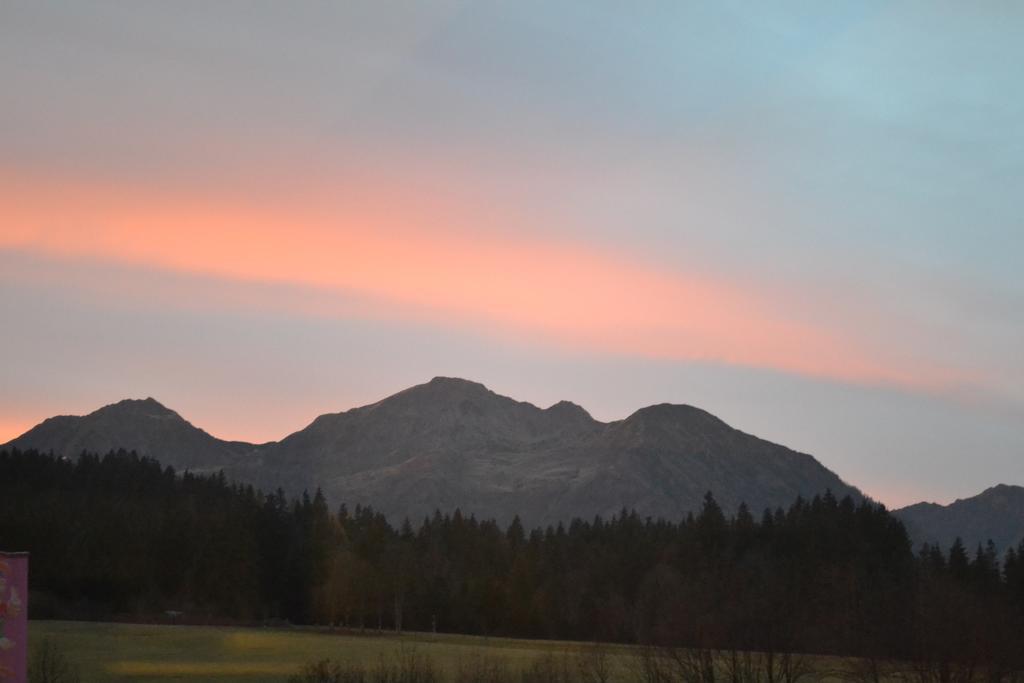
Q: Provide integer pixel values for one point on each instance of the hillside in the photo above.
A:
(996, 513)
(143, 425)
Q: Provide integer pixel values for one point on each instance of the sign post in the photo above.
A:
(13, 617)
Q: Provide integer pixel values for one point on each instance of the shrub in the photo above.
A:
(550, 669)
(481, 669)
(408, 667)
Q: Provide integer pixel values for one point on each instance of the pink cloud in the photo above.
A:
(409, 256)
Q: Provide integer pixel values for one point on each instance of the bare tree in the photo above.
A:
(50, 665)
(595, 664)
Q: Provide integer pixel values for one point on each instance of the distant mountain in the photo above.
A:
(996, 513)
(454, 443)
(141, 425)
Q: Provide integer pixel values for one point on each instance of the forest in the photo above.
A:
(118, 536)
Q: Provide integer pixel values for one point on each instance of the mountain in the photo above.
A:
(145, 426)
(454, 443)
(996, 513)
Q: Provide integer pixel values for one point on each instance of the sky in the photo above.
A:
(803, 217)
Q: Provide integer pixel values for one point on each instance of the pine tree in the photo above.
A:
(959, 565)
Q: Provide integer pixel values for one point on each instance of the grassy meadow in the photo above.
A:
(133, 652)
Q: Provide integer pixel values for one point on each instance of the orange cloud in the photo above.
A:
(408, 255)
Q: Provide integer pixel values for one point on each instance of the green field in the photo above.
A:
(135, 652)
(132, 652)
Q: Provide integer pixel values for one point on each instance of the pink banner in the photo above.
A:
(13, 617)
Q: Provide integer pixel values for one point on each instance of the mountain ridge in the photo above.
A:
(995, 514)
(452, 443)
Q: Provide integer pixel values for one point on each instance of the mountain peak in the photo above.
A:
(139, 407)
(444, 390)
(454, 383)
(149, 403)
(675, 415)
(569, 410)
(1003, 490)
(142, 425)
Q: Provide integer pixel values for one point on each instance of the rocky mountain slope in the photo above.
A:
(996, 513)
(453, 443)
(141, 425)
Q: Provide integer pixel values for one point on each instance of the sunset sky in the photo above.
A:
(806, 218)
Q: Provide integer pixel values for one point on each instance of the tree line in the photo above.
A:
(120, 535)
